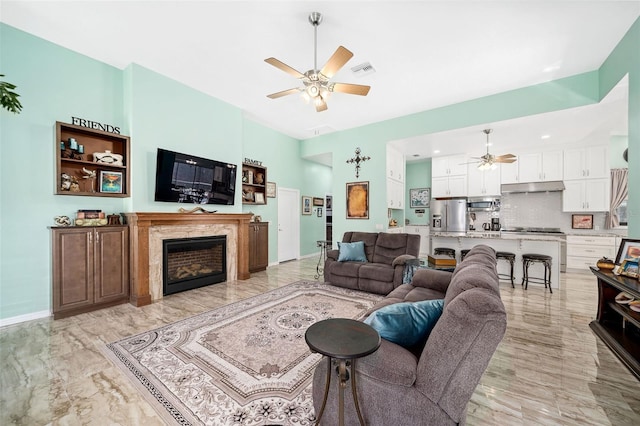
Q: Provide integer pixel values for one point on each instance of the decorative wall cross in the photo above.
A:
(358, 159)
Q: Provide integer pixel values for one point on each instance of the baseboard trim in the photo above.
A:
(24, 318)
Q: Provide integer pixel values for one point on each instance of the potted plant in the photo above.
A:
(9, 98)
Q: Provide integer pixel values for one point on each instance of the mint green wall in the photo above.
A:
(418, 175)
(55, 84)
(617, 145)
(625, 60)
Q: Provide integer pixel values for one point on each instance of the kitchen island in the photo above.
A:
(514, 243)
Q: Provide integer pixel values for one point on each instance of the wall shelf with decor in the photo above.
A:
(91, 162)
(254, 184)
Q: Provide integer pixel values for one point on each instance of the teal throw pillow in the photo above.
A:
(352, 251)
(406, 323)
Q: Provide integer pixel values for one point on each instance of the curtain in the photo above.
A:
(619, 192)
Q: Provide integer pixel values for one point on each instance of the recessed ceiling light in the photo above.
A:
(436, 151)
(545, 136)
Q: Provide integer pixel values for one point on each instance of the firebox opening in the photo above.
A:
(190, 263)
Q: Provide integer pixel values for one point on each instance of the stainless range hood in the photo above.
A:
(551, 186)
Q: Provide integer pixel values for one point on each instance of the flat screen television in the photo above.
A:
(182, 178)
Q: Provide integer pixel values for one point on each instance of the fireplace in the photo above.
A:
(190, 263)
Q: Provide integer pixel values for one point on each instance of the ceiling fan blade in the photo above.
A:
(321, 105)
(505, 160)
(284, 67)
(340, 57)
(353, 89)
(506, 156)
(283, 93)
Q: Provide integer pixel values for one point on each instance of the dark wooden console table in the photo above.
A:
(617, 325)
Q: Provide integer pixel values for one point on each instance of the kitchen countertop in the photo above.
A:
(500, 235)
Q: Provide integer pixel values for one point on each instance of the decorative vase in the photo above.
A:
(605, 264)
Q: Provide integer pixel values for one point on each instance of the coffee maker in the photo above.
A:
(495, 223)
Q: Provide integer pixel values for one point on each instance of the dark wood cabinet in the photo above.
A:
(258, 246)
(616, 324)
(90, 268)
(104, 154)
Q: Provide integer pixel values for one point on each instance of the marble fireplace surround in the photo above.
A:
(147, 230)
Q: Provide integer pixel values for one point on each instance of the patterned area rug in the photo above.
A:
(246, 363)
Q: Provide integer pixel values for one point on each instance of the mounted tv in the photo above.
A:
(182, 178)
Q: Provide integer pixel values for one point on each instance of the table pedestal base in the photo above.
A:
(342, 370)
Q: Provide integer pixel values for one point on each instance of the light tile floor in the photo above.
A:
(549, 369)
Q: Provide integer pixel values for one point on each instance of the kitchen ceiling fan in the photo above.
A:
(317, 84)
(489, 161)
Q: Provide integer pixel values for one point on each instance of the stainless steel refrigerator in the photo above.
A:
(449, 215)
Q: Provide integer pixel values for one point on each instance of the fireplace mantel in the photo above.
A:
(139, 225)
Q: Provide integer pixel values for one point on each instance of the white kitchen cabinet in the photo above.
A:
(395, 164)
(586, 195)
(509, 172)
(586, 163)
(453, 186)
(423, 231)
(540, 166)
(395, 194)
(450, 165)
(585, 250)
(482, 182)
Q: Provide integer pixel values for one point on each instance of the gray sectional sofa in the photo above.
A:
(386, 256)
(431, 383)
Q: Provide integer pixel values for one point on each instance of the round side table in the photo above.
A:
(342, 340)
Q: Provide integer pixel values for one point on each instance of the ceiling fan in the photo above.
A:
(316, 83)
(489, 161)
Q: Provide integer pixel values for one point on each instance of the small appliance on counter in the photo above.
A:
(495, 224)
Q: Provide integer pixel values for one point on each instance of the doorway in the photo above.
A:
(288, 224)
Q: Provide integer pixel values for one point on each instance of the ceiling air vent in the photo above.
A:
(363, 69)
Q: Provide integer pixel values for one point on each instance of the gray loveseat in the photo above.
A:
(386, 256)
(430, 384)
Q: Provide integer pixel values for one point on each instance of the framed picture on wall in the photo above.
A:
(318, 201)
(271, 190)
(420, 197)
(582, 221)
(358, 200)
(306, 205)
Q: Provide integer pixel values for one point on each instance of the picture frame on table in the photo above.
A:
(629, 250)
(306, 205)
(259, 198)
(110, 182)
(358, 200)
(582, 221)
(271, 190)
(628, 268)
(419, 198)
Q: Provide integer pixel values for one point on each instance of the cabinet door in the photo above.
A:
(72, 268)
(439, 167)
(574, 164)
(395, 194)
(258, 246)
(552, 165)
(439, 187)
(492, 182)
(458, 186)
(573, 196)
(475, 181)
(596, 195)
(530, 167)
(597, 162)
(509, 172)
(395, 164)
(458, 165)
(111, 263)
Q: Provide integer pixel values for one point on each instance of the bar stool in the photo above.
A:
(530, 258)
(445, 251)
(463, 254)
(509, 257)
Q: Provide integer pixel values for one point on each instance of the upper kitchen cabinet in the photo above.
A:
(586, 163)
(395, 194)
(395, 164)
(453, 186)
(451, 165)
(482, 182)
(509, 172)
(540, 166)
(586, 195)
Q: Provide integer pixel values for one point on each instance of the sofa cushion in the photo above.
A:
(351, 251)
(406, 323)
(388, 247)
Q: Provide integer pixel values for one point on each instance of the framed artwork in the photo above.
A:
(319, 211)
(582, 221)
(358, 200)
(259, 198)
(629, 250)
(271, 190)
(628, 268)
(306, 205)
(318, 201)
(110, 182)
(420, 197)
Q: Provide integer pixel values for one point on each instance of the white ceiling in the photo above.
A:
(426, 54)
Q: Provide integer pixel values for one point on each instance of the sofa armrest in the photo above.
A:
(333, 254)
(391, 364)
(432, 278)
(402, 260)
